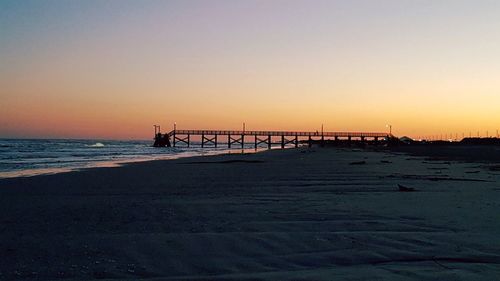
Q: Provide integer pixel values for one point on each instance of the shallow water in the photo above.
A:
(27, 157)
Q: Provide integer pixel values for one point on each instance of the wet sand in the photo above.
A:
(297, 214)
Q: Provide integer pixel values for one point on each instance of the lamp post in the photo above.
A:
(390, 128)
(175, 126)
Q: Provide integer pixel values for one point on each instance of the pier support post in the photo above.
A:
(296, 141)
(228, 141)
(242, 141)
(282, 142)
(208, 140)
(309, 141)
(188, 139)
(255, 141)
(269, 141)
(173, 140)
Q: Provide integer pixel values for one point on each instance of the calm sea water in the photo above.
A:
(23, 157)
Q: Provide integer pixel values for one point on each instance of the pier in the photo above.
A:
(231, 138)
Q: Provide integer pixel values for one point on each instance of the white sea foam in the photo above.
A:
(97, 144)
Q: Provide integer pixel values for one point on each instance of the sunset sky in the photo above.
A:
(112, 69)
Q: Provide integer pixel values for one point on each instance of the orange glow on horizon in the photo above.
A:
(93, 73)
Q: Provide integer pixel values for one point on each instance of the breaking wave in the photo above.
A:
(97, 144)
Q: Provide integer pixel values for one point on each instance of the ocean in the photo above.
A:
(28, 157)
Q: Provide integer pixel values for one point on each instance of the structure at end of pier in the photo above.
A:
(161, 140)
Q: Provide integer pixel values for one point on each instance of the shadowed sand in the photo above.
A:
(298, 214)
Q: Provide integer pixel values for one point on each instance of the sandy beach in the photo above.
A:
(295, 214)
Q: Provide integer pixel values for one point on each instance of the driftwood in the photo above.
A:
(405, 188)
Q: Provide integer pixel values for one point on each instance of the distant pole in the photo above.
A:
(322, 136)
(497, 133)
(243, 127)
(390, 128)
(173, 135)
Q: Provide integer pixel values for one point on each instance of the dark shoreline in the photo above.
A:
(469, 150)
(488, 154)
(457, 152)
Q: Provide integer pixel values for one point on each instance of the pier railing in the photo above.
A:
(279, 133)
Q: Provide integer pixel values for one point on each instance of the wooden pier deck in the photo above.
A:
(234, 137)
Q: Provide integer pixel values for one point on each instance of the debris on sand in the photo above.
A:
(358, 163)
(405, 188)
